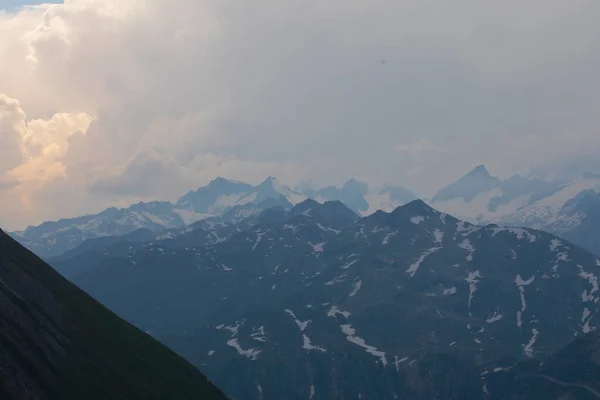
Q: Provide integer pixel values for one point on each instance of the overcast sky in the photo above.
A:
(106, 102)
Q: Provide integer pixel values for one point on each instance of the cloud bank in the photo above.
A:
(106, 102)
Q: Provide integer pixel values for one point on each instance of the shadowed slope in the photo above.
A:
(56, 342)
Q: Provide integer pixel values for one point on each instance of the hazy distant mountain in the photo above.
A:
(357, 196)
(585, 208)
(408, 304)
(58, 343)
(218, 195)
(482, 198)
(53, 238)
(558, 207)
(477, 197)
(568, 170)
(217, 198)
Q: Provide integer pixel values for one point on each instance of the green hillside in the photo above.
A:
(56, 342)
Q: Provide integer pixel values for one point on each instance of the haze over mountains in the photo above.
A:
(566, 208)
(409, 304)
(291, 200)
(569, 209)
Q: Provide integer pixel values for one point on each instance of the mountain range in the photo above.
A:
(51, 239)
(57, 343)
(412, 303)
(566, 208)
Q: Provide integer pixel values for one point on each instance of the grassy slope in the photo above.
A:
(107, 358)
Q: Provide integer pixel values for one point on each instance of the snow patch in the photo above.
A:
(250, 353)
(438, 236)
(231, 328)
(452, 290)
(348, 265)
(259, 334)
(351, 337)
(417, 220)
(472, 278)
(586, 327)
(357, 287)
(520, 233)
(528, 348)
(258, 239)
(521, 283)
(477, 210)
(560, 257)
(387, 238)
(308, 346)
(336, 280)
(494, 318)
(317, 248)
(593, 280)
(555, 244)
(586, 317)
(334, 311)
(189, 216)
(327, 229)
(466, 244)
(443, 218)
(412, 270)
(398, 361)
(301, 324)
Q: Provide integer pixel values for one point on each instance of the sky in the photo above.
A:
(108, 102)
(14, 5)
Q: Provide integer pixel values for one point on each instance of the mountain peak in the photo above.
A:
(478, 180)
(218, 179)
(357, 186)
(480, 171)
(269, 179)
(328, 206)
(306, 204)
(416, 207)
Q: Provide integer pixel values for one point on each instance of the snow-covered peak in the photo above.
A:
(272, 187)
(557, 212)
(481, 198)
(469, 186)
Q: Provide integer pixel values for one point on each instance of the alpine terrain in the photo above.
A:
(315, 302)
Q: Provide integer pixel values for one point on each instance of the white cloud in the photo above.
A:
(189, 89)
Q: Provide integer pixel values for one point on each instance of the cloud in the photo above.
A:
(31, 152)
(418, 148)
(151, 172)
(119, 100)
